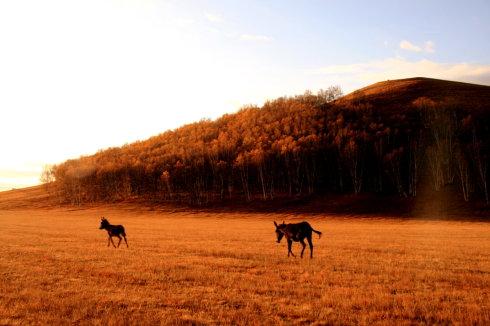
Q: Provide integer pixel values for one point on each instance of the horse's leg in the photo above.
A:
(126, 241)
(112, 242)
(304, 246)
(119, 243)
(109, 241)
(311, 246)
(290, 243)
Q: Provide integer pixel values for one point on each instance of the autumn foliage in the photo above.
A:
(386, 141)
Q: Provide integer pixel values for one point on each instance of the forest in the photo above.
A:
(389, 139)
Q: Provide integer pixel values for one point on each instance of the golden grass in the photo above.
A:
(187, 268)
(402, 92)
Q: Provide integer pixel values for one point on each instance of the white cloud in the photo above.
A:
(406, 45)
(214, 18)
(428, 47)
(255, 38)
(352, 76)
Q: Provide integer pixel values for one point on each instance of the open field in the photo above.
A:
(181, 268)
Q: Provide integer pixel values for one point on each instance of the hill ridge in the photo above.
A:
(409, 89)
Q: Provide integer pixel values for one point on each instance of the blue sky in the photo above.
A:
(79, 76)
(342, 32)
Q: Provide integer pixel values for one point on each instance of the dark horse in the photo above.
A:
(296, 232)
(113, 231)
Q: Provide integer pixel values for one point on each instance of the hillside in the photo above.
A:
(31, 197)
(402, 92)
(403, 138)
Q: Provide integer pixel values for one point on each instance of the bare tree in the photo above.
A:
(463, 172)
(441, 122)
(330, 94)
(481, 164)
(165, 178)
(353, 156)
(47, 175)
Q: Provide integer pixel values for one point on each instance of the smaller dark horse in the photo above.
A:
(113, 231)
(296, 232)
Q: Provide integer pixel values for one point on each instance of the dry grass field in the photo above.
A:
(201, 268)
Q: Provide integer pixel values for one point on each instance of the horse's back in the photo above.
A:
(120, 229)
(305, 226)
(300, 230)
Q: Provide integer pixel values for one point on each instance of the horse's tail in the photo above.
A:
(317, 232)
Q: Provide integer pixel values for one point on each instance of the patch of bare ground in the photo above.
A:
(225, 268)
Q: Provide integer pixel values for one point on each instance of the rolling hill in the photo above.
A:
(402, 138)
(402, 92)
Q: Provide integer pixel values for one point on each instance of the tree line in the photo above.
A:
(292, 146)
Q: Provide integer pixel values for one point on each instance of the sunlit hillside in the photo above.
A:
(401, 93)
(391, 138)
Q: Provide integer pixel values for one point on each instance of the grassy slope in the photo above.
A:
(402, 92)
(429, 205)
(31, 197)
(225, 268)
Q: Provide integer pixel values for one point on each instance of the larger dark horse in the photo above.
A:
(113, 231)
(296, 232)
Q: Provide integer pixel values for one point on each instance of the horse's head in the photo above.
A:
(279, 231)
(103, 223)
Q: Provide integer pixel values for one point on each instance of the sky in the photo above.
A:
(80, 76)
